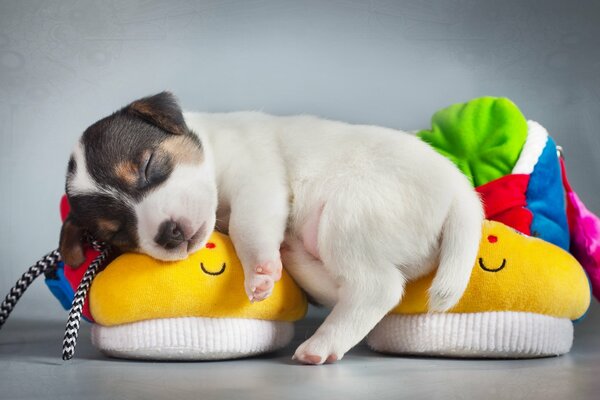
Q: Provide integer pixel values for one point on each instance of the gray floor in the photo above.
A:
(30, 367)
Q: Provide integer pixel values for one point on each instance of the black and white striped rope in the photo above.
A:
(45, 264)
(72, 328)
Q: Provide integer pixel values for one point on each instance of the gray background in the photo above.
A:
(65, 64)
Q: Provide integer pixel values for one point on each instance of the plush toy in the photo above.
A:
(512, 162)
(525, 288)
(523, 294)
(195, 309)
(519, 174)
(192, 309)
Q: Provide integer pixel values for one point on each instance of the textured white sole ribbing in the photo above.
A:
(192, 338)
(489, 334)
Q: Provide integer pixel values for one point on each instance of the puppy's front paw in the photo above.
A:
(259, 287)
(271, 268)
(259, 282)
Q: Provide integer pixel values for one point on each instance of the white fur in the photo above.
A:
(81, 182)
(362, 209)
(189, 197)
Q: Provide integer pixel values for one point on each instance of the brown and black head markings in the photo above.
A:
(118, 161)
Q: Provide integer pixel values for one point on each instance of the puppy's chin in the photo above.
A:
(167, 255)
(177, 254)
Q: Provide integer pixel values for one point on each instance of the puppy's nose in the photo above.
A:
(170, 235)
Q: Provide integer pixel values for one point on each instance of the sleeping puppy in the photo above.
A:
(353, 211)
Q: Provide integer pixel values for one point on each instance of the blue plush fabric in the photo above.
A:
(61, 288)
(546, 199)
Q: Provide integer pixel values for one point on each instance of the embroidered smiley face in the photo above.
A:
(513, 272)
(212, 245)
(208, 284)
(492, 239)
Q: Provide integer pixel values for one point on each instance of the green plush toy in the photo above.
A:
(483, 137)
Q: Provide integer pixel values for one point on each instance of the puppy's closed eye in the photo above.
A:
(154, 168)
(147, 170)
(146, 166)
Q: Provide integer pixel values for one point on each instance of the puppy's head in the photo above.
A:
(140, 180)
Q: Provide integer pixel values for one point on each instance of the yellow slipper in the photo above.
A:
(195, 309)
(521, 300)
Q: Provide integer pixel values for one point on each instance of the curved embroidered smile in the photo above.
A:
(483, 267)
(212, 273)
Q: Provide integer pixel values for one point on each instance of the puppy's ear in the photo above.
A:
(160, 110)
(71, 246)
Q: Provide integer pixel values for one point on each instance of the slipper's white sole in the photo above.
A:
(192, 338)
(481, 335)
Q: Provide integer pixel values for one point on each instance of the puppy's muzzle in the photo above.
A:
(173, 233)
(170, 235)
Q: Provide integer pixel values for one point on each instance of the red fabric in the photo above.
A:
(64, 208)
(74, 275)
(505, 201)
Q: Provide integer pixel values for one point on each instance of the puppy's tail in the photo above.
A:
(460, 238)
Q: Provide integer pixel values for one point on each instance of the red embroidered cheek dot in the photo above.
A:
(210, 245)
(492, 238)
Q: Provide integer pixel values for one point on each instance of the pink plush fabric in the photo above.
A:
(584, 227)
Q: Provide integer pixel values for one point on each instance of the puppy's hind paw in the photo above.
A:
(317, 351)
